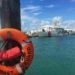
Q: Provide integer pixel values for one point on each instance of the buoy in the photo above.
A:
(23, 51)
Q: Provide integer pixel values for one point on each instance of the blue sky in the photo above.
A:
(37, 12)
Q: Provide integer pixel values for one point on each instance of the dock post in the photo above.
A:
(10, 14)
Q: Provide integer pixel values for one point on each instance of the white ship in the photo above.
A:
(49, 30)
(52, 31)
(57, 31)
(44, 31)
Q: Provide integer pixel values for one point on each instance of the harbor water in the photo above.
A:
(53, 56)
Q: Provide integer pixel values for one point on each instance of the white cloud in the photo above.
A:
(25, 17)
(29, 23)
(37, 13)
(30, 19)
(70, 24)
(57, 20)
(44, 22)
(31, 8)
(50, 6)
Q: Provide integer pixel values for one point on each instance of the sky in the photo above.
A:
(35, 13)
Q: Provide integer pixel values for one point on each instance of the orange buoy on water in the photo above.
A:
(18, 53)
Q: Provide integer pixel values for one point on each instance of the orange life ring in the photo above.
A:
(27, 49)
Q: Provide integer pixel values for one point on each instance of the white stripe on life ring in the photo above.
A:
(25, 42)
(19, 69)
